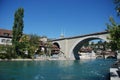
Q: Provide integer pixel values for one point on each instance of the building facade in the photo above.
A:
(5, 37)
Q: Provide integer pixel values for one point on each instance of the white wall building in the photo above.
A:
(5, 37)
(5, 41)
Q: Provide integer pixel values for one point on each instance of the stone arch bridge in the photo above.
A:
(71, 45)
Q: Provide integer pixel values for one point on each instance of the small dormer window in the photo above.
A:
(6, 34)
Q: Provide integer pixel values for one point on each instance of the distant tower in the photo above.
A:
(62, 35)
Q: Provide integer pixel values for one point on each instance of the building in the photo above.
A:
(5, 37)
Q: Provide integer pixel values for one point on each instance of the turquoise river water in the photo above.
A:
(56, 70)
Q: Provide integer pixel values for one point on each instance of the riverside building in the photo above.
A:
(5, 37)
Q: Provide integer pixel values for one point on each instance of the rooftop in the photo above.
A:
(5, 33)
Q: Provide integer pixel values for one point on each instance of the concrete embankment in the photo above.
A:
(115, 71)
(19, 59)
(114, 75)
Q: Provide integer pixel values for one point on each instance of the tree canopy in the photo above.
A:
(17, 30)
(114, 30)
(18, 25)
(117, 2)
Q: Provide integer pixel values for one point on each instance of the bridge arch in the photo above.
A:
(79, 43)
(70, 45)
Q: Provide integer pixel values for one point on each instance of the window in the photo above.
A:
(8, 41)
(3, 40)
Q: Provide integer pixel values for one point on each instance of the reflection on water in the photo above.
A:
(55, 70)
(39, 77)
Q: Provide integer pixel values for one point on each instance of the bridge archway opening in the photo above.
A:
(56, 44)
(79, 45)
(111, 57)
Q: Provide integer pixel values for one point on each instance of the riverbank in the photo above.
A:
(36, 59)
(115, 71)
(20, 59)
(114, 74)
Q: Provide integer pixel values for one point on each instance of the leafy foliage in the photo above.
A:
(34, 40)
(7, 51)
(114, 30)
(32, 44)
(18, 25)
(117, 2)
(17, 29)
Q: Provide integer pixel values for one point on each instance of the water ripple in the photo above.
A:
(39, 77)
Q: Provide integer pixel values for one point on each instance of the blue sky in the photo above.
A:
(52, 17)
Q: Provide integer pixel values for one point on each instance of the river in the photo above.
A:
(97, 69)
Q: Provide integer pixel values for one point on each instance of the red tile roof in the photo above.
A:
(5, 33)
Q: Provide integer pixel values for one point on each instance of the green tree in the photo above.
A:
(117, 2)
(92, 44)
(105, 45)
(86, 44)
(7, 51)
(33, 44)
(24, 45)
(34, 40)
(17, 28)
(114, 30)
(99, 44)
